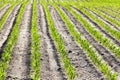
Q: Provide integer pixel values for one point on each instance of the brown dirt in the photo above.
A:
(84, 67)
(51, 65)
(20, 64)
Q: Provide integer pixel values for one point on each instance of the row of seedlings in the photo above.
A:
(36, 45)
(105, 68)
(7, 54)
(104, 40)
(103, 25)
(60, 45)
(108, 19)
(5, 17)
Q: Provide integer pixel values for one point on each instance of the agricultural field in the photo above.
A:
(59, 40)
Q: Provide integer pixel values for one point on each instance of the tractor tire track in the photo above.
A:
(3, 11)
(51, 66)
(20, 64)
(84, 67)
(97, 26)
(8, 26)
(106, 54)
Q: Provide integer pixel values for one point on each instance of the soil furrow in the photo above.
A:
(110, 9)
(114, 17)
(8, 26)
(20, 64)
(104, 20)
(51, 65)
(3, 11)
(84, 67)
(98, 27)
(107, 55)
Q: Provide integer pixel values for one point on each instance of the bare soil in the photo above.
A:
(20, 63)
(104, 20)
(4, 10)
(110, 9)
(84, 67)
(108, 14)
(108, 56)
(98, 27)
(51, 66)
(8, 26)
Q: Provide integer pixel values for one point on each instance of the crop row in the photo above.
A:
(36, 45)
(86, 45)
(60, 45)
(98, 29)
(7, 54)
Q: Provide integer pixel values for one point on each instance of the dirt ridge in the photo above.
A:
(108, 56)
(4, 10)
(84, 67)
(51, 65)
(8, 26)
(106, 21)
(20, 64)
(108, 14)
(98, 27)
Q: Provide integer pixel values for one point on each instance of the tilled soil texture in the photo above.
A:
(98, 27)
(3, 11)
(8, 26)
(84, 67)
(20, 64)
(52, 68)
(110, 9)
(104, 20)
(55, 54)
(108, 14)
(106, 54)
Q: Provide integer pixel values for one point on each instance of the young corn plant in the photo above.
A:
(92, 53)
(116, 8)
(60, 45)
(5, 17)
(98, 35)
(36, 45)
(2, 6)
(7, 55)
(110, 12)
(113, 21)
(106, 27)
